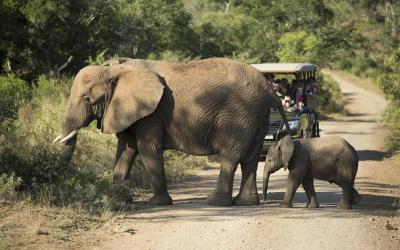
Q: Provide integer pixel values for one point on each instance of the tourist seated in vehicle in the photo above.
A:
(287, 102)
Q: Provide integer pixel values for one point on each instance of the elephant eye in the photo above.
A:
(86, 98)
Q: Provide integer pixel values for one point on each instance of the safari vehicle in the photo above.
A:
(301, 89)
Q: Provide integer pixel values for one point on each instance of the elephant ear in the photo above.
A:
(136, 94)
(286, 148)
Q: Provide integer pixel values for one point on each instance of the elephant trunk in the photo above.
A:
(265, 182)
(67, 149)
(68, 136)
(67, 139)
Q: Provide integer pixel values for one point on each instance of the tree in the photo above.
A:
(299, 46)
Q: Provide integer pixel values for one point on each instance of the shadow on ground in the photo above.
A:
(371, 155)
(377, 200)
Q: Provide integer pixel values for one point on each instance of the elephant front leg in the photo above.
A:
(222, 195)
(152, 157)
(248, 194)
(126, 154)
(293, 183)
(308, 185)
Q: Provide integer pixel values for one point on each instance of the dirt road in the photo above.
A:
(191, 224)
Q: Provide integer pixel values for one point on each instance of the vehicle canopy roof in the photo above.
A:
(284, 68)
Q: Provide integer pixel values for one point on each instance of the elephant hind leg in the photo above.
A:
(248, 194)
(346, 201)
(126, 154)
(222, 195)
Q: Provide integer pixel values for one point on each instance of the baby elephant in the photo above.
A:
(329, 158)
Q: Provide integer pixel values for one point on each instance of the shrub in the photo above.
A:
(392, 117)
(13, 92)
(8, 186)
(345, 64)
(50, 89)
(173, 56)
(390, 83)
(330, 97)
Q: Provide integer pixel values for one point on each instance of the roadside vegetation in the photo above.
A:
(44, 43)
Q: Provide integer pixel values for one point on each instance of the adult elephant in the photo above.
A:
(211, 106)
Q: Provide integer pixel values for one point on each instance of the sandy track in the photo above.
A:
(191, 224)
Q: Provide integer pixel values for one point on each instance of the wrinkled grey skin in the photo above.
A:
(212, 106)
(328, 158)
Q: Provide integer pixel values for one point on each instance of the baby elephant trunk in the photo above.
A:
(265, 182)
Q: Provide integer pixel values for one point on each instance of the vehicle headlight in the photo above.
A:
(293, 124)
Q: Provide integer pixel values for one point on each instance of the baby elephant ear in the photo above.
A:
(286, 147)
(136, 94)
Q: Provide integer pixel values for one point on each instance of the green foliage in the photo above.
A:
(329, 97)
(8, 187)
(392, 118)
(154, 27)
(226, 34)
(299, 46)
(168, 55)
(40, 35)
(390, 83)
(46, 88)
(13, 93)
(99, 59)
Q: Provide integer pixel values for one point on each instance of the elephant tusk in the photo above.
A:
(70, 136)
(57, 139)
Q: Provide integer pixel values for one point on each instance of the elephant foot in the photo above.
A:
(343, 205)
(220, 200)
(160, 200)
(313, 205)
(119, 177)
(285, 204)
(246, 200)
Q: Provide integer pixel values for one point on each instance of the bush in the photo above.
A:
(330, 96)
(390, 83)
(345, 64)
(13, 92)
(392, 117)
(172, 56)
(8, 186)
(49, 89)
